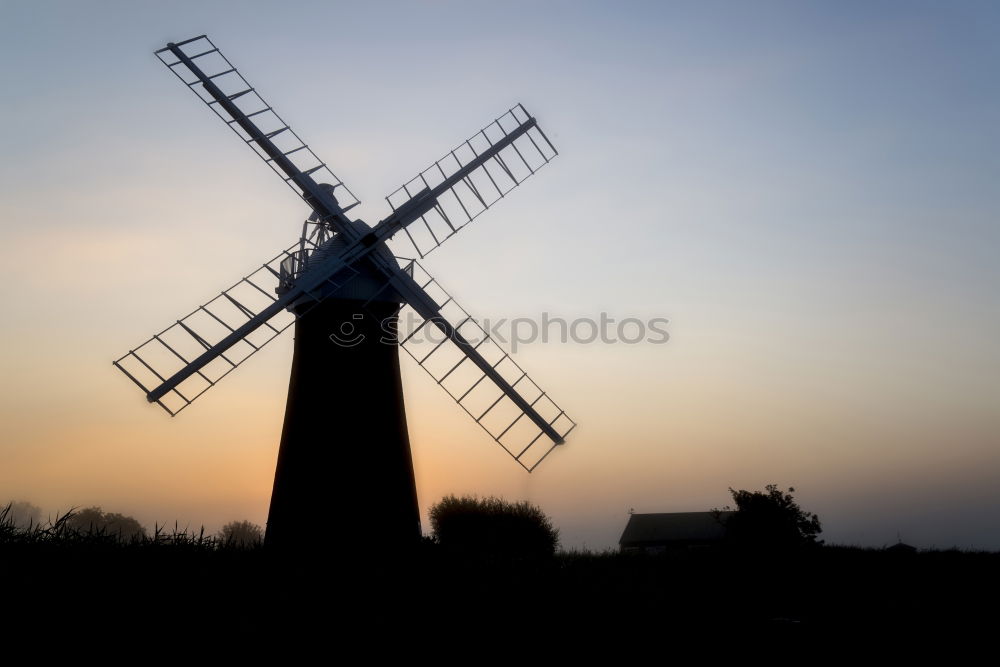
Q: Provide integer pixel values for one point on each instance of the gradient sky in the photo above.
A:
(807, 191)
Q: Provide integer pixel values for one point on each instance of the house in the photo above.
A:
(656, 533)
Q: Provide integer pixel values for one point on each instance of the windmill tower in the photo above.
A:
(347, 286)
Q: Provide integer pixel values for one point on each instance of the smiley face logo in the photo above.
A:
(347, 334)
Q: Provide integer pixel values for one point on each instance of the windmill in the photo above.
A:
(346, 286)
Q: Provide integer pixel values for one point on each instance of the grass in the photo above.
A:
(62, 533)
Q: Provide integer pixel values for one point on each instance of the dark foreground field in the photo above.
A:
(349, 592)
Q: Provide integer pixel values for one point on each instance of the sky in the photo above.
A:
(806, 191)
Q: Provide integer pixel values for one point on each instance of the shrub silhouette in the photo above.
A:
(241, 534)
(493, 526)
(769, 519)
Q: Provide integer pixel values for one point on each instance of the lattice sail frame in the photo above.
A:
(469, 386)
(202, 51)
(170, 350)
(480, 189)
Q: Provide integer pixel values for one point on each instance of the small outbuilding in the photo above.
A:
(657, 533)
(900, 548)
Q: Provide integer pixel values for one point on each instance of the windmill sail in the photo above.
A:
(180, 363)
(526, 150)
(479, 375)
(202, 67)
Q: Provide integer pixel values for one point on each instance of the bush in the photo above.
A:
(493, 526)
(241, 534)
(769, 519)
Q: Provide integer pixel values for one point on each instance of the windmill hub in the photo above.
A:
(344, 441)
(359, 282)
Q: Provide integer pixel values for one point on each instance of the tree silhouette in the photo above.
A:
(93, 520)
(769, 519)
(241, 534)
(493, 526)
(22, 514)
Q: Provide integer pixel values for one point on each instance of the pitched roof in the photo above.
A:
(648, 529)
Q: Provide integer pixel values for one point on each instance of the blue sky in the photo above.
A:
(805, 190)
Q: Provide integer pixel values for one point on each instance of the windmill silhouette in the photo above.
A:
(344, 285)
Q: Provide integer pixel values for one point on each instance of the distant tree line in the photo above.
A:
(95, 520)
(23, 514)
(22, 519)
(467, 525)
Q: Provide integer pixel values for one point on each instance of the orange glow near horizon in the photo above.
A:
(816, 221)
